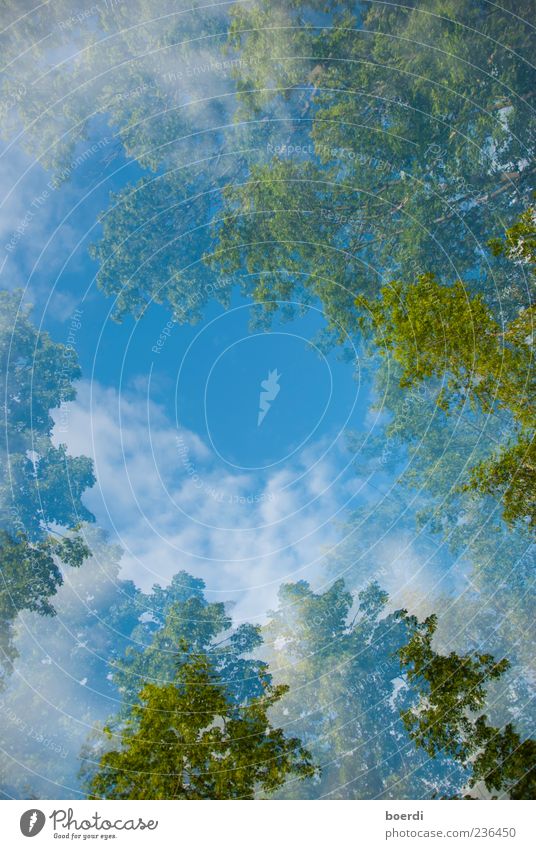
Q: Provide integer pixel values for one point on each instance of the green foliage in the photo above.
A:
(338, 653)
(153, 237)
(37, 373)
(182, 613)
(188, 740)
(108, 67)
(41, 485)
(454, 687)
(441, 332)
(279, 225)
(418, 154)
(452, 692)
(505, 763)
(519, 242)
(510, 475)
(458, 80)
(276, 43)
(30, 575)
(61, 686)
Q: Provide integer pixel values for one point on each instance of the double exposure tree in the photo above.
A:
(337, 651)
(189, 739)
(434, 331)
(405, 161)
(108, 640)
(447, 718)
(41, 484)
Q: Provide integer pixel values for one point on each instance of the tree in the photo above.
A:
(441, 332)
(417, 152)
(91, 660)
(452, 691)
(519, 241)
(41, 484)
(338, 652)
(181, 612)
(189, 740)
(30, 575)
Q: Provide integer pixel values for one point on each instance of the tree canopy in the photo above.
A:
(447, 719)
(189, 740)
(41, 486)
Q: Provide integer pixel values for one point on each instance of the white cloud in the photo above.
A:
(172, 505)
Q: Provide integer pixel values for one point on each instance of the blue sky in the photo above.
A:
(186, 479)
(186, 476)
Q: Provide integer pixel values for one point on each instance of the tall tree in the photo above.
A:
(181, 612)
(417, 154)
(338, 652)
(447, 720)
(87, 666)
(436, 331)
(189, 740)
(42, 485)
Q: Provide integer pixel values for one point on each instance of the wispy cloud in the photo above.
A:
(172, 505)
